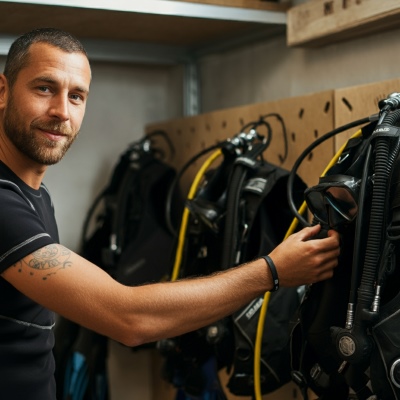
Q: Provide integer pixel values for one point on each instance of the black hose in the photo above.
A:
(283, 158)
(376, 220)
(360, 224)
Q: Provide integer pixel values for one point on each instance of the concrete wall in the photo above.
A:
(269, 70)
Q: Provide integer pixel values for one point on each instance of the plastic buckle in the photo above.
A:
(319, 376)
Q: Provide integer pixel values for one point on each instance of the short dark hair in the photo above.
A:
(18, 55)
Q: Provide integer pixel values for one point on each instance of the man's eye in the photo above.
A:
(44, 89)
(76, 97)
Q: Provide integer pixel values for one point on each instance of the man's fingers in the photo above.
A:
(309, 232)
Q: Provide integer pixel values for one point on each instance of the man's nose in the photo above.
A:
(59, 107)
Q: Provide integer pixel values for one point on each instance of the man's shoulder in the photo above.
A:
(11, 194)
(8, 181)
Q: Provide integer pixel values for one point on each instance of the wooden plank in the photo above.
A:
(321, 22)
(124, 26)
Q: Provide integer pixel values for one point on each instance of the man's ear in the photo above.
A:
(3, 91)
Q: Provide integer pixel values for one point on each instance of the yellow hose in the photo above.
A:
(185, 216)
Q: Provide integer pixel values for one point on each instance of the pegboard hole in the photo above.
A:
(241, 121)
(347, 104)
(224, 124)
(328, 8)
(301, 113)
(310, 156)
(327, 107)
(315, 133)
(208, 127)
(293, 137)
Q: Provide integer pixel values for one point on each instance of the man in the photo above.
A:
(43, 95)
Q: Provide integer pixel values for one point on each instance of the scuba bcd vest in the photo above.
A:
(346, 340)
(129, 218)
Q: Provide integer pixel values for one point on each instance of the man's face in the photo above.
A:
(46, 105)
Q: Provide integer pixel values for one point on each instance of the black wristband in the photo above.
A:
(274, 273)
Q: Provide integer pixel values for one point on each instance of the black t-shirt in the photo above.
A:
(27, 223)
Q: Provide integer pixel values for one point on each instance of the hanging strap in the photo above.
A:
(242, 166)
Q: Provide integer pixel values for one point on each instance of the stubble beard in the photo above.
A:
(37, 147)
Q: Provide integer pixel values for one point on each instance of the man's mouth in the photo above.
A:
(53, 135)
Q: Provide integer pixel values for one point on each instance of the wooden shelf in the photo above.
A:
(186, 24)
(322, 22)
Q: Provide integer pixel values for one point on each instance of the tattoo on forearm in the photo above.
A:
(50, 258)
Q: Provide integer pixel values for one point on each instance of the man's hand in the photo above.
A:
(300, 260)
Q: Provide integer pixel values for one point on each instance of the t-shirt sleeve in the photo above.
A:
(21, 229)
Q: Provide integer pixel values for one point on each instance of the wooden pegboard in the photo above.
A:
(306, 118)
